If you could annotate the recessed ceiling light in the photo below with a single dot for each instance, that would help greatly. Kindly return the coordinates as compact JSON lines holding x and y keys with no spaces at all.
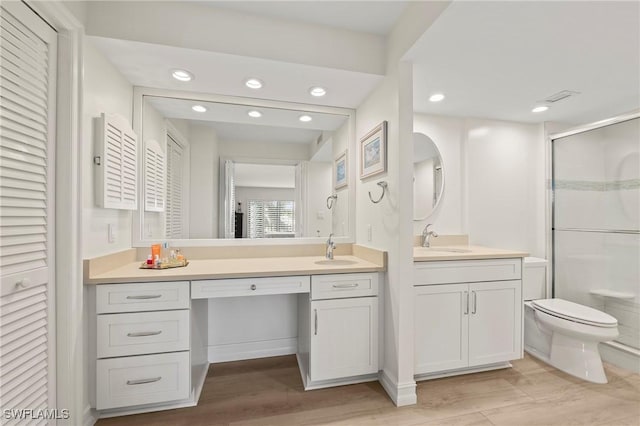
{"x":253,"y":83}
{"x":305,"y":118}
{"x":254,"y":114}
{"x":437,"y":97}
{"x":182,"y":75}
{"x":318,"y":91}
{"x":541,"y":108}
{"x":198,"y":108}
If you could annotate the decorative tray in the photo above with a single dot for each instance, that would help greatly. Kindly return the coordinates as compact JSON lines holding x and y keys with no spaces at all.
{"x":165,"y":265}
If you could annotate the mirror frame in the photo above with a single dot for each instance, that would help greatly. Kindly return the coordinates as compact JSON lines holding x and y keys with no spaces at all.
{"x":435,"y":207}
{"x":137,"y":218}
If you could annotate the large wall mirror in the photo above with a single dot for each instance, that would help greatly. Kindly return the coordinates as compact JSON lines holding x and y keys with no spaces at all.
{"x":428,"y":176}
{"x":221,"y":168}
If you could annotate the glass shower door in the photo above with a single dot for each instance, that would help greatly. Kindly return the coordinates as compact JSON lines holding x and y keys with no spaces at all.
{"x":596,"y":223}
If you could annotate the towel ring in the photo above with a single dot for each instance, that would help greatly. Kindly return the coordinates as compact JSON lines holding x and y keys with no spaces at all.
{"x":330,"y":200}
{"x":382,"y":184}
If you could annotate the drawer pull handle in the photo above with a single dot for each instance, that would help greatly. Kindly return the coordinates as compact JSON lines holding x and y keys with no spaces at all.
{"x":144,"y":333}
{"x":353,"y":285}
{"x":466,"y":308}
{"x":143,"y":381}
{"x":253,"y":287}
{"x":145,"y":297}
{"x":475,"y":302}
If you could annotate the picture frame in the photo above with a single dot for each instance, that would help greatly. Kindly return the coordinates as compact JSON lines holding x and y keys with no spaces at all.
{"x":341,"y":170}
{"x":373,"y":152}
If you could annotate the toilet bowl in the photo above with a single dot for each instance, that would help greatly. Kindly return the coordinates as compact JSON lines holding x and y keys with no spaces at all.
{"x":566,"y":335}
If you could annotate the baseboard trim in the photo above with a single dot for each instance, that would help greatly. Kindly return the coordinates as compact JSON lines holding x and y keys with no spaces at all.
{"x":252,"y":350}
{"x":401,"y":394}
{"x":89,"y":417}
{"x":470,"y":370}
{"x":620,"y":356}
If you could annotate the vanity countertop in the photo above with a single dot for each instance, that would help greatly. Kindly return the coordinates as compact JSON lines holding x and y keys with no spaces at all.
{"x":462,"y":252}
{"x":202,"y":269}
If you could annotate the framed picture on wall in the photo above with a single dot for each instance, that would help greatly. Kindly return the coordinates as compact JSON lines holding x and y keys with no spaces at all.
{"x":373,"y":152}
{"x":340,"y":170}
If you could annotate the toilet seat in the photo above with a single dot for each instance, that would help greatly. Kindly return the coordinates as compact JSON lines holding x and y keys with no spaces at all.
{"x":574,"y":312}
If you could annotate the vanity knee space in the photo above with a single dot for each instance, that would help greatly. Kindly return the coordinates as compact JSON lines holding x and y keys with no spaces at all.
{"x":468,"y":315}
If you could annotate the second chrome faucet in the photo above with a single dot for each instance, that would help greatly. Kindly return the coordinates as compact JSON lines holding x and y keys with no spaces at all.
{"x":426,"y":235}
{"x":330,"y":246}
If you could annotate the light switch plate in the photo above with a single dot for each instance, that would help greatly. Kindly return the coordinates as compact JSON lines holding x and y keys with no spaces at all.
{"x":369,"y":232}
{"x":111,"y":233}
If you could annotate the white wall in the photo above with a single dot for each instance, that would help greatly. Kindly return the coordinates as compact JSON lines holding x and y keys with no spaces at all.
{"x":105,"y":90}
{"x":390,"y":222}
{"x":204,"y":170}
{"x":494,"y":181}
{"x":318,"y":217}
{"x":270,"y":151}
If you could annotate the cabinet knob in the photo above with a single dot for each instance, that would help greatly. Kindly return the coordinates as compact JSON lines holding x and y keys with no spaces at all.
{"x":253,"y":287}
{"x":23,"y":283}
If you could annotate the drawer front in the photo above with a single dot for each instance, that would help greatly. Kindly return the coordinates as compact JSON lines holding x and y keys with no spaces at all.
{"x":147,"y":379}
{"x":142,"y":333}
{"x":338,"y":286}
{"x":139,"y":297}
{"x":461,"y":271}
{"x":206,"y":289}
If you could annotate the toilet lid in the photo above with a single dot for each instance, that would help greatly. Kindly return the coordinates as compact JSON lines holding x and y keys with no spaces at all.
{"x":575,"y":312}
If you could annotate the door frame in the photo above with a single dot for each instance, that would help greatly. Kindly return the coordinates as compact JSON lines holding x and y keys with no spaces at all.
{"x":68,"y":307}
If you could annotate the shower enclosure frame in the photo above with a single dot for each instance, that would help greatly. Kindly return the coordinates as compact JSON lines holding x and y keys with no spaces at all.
{"x":550,"y":208}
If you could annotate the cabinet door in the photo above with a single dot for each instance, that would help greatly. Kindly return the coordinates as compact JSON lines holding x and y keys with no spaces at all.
{"x":495,"y":322}
{"x":344,"y":338}
{"x":441,"y":328}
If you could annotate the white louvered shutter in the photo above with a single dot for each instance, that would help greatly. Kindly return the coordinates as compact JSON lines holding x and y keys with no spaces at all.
{"x":154,"y":177}
{"x":117,"y":163}
{"x":174,"y":214}
{"x":27,"y":102}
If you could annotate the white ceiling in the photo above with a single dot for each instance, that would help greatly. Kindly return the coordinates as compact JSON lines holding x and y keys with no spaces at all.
{"x":374,"y":17}
{"x":232,"y":123}
{"x":497,"y":59}
{"x":150,"y":65}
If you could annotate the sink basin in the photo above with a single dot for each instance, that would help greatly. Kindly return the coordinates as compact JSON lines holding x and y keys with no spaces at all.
{"x":446,"y":249}
{"x":335,"y":262}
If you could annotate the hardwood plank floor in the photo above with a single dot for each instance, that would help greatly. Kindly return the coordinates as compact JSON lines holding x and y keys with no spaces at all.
{"x":269,"y":391}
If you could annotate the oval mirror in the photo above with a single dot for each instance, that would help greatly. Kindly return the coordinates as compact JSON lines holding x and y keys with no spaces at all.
{"x":428,"y":176}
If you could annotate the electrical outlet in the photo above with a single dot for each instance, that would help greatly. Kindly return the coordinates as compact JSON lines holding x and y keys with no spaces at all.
{"x":369,"y":232}
{"x":111,"y":233}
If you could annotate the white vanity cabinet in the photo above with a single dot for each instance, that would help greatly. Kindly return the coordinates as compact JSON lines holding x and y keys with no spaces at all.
{"x":338,"y":334}
{"x":461,"y":324}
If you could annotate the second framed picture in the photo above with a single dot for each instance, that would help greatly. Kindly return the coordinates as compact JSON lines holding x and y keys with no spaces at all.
{"x":373,"y":152}
{"x":340,"y":170}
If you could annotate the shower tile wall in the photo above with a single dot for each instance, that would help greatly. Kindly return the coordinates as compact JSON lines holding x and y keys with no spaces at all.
{"x":597,"y":188}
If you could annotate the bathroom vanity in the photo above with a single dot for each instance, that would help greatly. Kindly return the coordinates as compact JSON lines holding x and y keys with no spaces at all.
{"x":149,"y":328}
{"x":468,"y":309}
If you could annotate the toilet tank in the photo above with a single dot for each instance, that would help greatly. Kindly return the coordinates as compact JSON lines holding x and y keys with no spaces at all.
{"x":534,"y":278}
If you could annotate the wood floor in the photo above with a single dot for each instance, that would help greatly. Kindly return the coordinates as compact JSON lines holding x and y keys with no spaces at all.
{"x":269,"y":392}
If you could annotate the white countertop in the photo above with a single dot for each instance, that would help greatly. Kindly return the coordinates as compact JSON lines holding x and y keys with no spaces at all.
{"x":462,"y":252}
{"x":235,"y":268}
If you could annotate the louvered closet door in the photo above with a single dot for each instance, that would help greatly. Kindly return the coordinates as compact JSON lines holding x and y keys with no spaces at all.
{"x":175,"y":186}
{"x":27,"y":92}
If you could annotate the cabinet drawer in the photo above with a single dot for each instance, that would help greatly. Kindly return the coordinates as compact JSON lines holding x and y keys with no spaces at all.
{"x":142,"y":333}
{"x":339,"y":286}
{"x":146,"y":379}
{"x":138,"y":297}
{"x":206,"y":289}
{"x":460,"y":271}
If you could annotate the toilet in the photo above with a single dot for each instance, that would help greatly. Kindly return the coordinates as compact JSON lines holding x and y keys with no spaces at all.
{"x":562,"y":333}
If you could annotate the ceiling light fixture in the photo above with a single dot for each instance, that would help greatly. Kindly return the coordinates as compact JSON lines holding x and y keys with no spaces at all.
{"x":541,"y":108}
{"x":254,"y":114}
{"x":199,"y":108}
{"x":437,"y":97}
{"x":305,"y":118}
{"x":253,"y":83}
{"x":318,"y":91}
{"x":182,"y":75}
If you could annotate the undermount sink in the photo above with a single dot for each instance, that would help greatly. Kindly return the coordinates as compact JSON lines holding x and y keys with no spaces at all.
{"x":447,"y":249}
{"x":335,"y":262}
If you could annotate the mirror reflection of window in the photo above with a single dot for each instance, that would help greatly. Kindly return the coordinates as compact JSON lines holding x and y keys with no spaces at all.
{"x":428,"y":176}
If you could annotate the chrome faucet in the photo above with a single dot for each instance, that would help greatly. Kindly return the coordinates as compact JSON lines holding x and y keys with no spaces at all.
{"x":330,"y":246}
{"x":426,"y":235}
